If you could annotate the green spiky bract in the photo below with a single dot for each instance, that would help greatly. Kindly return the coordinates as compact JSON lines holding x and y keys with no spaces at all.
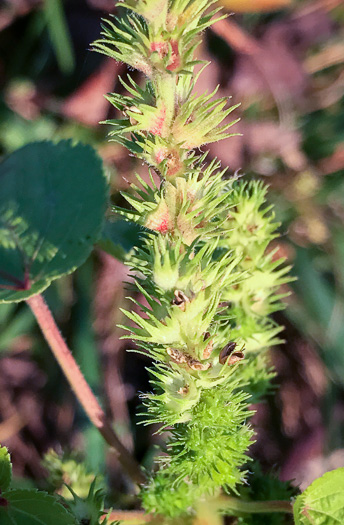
{"x":207,"y":277}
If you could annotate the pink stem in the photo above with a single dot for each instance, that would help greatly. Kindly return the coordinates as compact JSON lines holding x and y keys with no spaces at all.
{"x":80,"y":386}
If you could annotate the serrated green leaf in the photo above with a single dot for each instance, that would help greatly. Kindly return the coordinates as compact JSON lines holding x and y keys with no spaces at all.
{"x":322,"y":503}
{"x":31,"y":507}
{"x":5,"y":469}
{"x":52,"y":204}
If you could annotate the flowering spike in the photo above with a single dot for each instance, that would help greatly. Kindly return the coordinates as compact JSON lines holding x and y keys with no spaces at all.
{"x":204,"y":269}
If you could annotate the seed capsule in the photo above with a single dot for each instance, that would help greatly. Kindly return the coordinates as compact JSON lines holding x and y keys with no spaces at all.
{"x":180,"y":299}
{"x":235,"y":357}
{"x":194,"y":364}
{"x":209,"y":348}
{"x":229,"y":355}
{"x":184,"y":390}
{"x":180,"y":358}
{"x":176,"y":355}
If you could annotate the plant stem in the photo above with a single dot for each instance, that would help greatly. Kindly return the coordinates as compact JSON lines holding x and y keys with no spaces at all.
{"x":166,"y":91}
{"x":80,"y":386}
{"x":235,"y":505}
{"x":130,"y":517}
{"x":253,"y":507}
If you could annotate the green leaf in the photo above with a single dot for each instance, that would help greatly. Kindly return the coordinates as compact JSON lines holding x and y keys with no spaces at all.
{"x":59,"y":34}
{"x":30,"y":507}
{"x":119,"y":237}
{"x":317,"y":294}
{"x":17,"y":325}
{"x":5,"y":469}
{"x":322,"y":503}
{"x":52,"y":203}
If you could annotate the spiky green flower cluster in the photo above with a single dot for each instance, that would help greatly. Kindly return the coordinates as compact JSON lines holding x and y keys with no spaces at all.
{"x":82,"y":491}
{"x":204,"y":271}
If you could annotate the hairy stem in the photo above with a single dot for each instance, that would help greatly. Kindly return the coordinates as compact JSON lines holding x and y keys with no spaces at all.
{"x":166,"y":91}
{"x":223,"y":504}
{"x":80,"y":386}
{"x":130,"y":517}
{"x":237,"y":505}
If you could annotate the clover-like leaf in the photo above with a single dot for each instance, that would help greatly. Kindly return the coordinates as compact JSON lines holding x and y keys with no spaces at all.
{"x":322,"y":503}
{"x":119,"y":237}
{"x":31,"y":507}
{"x":5,"y":469}
{"x":52,"y":204}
